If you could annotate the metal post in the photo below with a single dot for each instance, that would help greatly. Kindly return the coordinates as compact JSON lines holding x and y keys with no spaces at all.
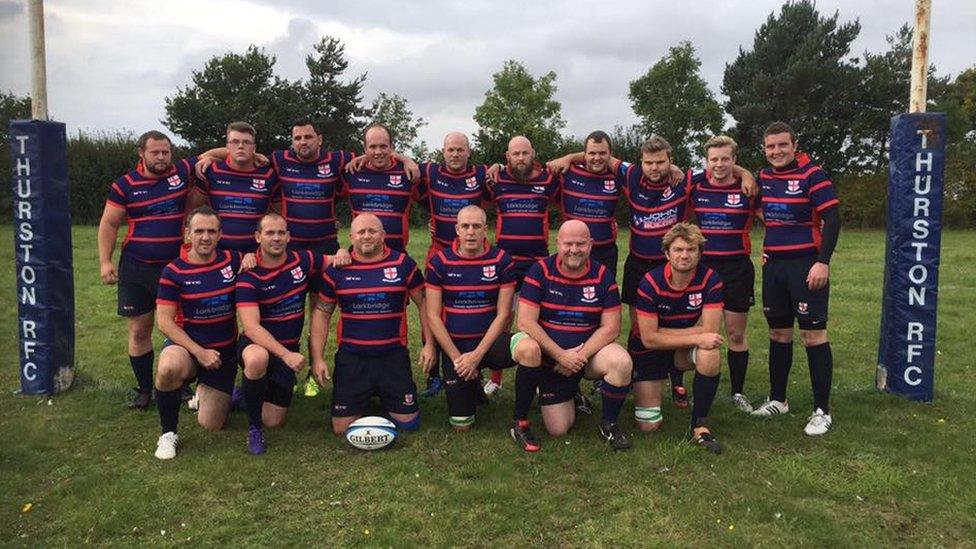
{"x":35,"y":17}
{"x":920,"y":56}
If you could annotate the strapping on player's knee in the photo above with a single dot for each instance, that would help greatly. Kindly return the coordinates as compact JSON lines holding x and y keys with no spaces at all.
{"x":648,"y":414}
{"x":461,"y":421}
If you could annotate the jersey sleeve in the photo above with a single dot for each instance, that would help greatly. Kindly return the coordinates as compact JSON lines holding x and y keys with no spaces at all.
{"x":116,"y":196}
{"x":415,"y":280}
{"x":327,"y":290}
{"x":316,"y":262}
{"x":245,"y":293}
{"x":235,"y":259}
{"x":169,"y":289}
{"x":823,"y":194}
{"x":188,"y":167}
{"x":507,"y":268}
{"x":433,"y":275}
{"x":612,"y":298}
{"x":646,"y":301}
{"x":714,"y":297}
{"x":532,"y":287}
{"x":203,"y":183}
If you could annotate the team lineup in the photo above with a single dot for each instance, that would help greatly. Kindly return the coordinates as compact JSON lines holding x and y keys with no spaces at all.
{"x":222,"y":250}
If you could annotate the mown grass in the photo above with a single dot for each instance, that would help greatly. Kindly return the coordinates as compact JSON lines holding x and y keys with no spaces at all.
{"x":891,"y":472}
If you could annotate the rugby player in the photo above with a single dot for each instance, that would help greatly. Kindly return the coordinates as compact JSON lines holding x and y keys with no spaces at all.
{"x":725,"y":215}
{"x":271,"y":307}
{"x":152,"y":199}
{"x":569,"y":319}
{"x":469,"y":307}
{"x":679,"y":315}
{"x":238,"y":190}
{"x":801,"y":213}
{"x":372,"y":357}
{"x":195,"y":311}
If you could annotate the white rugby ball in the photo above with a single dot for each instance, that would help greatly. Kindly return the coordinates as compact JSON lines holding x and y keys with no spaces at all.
{"x":371,"y":433}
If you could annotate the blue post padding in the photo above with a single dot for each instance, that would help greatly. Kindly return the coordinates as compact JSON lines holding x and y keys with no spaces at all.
{"x":42,"y":246}
{"x":906,"y":351}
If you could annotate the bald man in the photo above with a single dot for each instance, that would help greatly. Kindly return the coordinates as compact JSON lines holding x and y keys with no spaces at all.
{"x":569,"y":320}
{"x":373,"y":356}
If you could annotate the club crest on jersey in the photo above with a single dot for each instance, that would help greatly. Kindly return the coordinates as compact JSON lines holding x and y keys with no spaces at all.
{"x":793,"y":186}
{"x":589,"y":294}
{"x":471,"y":183}
{"x":396,"y":180}
{"x":801,"y":307}
{"x":695,"y":299}
{"x":390,"y":274}
{"x":174,"y":181}
{"x":667,"y":194}
{"x":609,"y":186}
{"x":298,"y":274}
{"x":538,"y":189}
{"x":325,"y":170}
{"x":258,"y":184}
{"x":734,"y":200}
{"x":488,"y":271}
{"x":227,"y":272}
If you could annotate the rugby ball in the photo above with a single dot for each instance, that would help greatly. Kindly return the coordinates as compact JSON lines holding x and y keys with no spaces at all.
{"x":371,"y":433}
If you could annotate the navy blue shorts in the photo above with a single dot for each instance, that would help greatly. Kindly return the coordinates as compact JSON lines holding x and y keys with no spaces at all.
{"x":555,"y":388}
{"x":606,"y":256}
{"x":221,"y":379}
{"x":786,"y":295}
{"x":652,"y":365}
{"x":634,"y":270}
{"x":137,"y":287}
{"x":738,"y":281}
{"x":281,"y":378}
{"x":358,"y":377}
{"x":463,"y":395}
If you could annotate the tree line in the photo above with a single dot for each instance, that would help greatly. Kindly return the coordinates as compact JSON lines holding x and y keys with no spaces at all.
{"x":800,"y":68}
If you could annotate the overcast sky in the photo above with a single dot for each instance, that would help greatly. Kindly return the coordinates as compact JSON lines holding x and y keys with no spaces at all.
{"x":111,"y":64}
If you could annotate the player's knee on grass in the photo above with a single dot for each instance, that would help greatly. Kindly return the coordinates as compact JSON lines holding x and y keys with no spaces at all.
{"x":341,"y":424}
{"x":528,"y":353}
{"x":214,"y":408}
{"x":648,"y":418}
{"x":461,"y":423}
{"x":255,"y":359}
{"x":273,"y":416}
{"x":559,"y":418}
{"x":812,"y":338}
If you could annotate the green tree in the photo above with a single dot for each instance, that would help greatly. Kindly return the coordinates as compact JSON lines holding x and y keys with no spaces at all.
{"x":394,"y":112}
{"x":334,"y":104}
{"x":959,"y":98}
{"x":235,"y":87}
{"x":672,"y":100}
{"x":12,"y":107}
{"x":519,"y":104}
{"x":797,"y":72}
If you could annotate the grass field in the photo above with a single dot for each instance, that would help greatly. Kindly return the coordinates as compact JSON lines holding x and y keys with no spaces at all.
{"x":78,"y":468}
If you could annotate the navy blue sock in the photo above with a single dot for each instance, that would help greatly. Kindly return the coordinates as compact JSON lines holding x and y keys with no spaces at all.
{"x":705,"y":388}
{"x":168,"y":403}
{"x":821,"y":374}
{"x":526,"y":382}
{"x":780,"y":362}
{"x":738,"y":363}
{"x":254,"y":390}
{"x":677,"y":377}
{"x":613,"y":400}
{"x":142,"y":367}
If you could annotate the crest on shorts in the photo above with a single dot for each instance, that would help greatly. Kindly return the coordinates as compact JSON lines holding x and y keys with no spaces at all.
{"x":396,"y":180}
{"x":258,"y":184}
{"x":408,"y":399}
{"x":695,"y":299}
{"x":488,"y":271}
{"x":801,"y":306}
{"x":589,"y":293}
{"x":471,"y":183}
{"x":793,"y":186}
{"x":667,"y":194}
{"x":298,"y":274}
{"x":325,"y":170}
{"x":390,"y":273}
{"x":609,"y":186}
{"x":174,"y":181}
{"x":227,"y":272}
{"x":734,"y":199}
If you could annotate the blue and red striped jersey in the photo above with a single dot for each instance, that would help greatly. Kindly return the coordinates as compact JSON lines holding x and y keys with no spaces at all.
{"x":240,"y":198}
{"x":372,"y":299}
{"x":469,"y":288}
{"x":592,"y":198}
{"x":279,"y":292}
{"x":725,"y":215}
{"x":445,"y":193}
{"x":388,"y":195}
{"x":674,"y":308}
{"x":654,"y":209}
{"x":308,"y":192}
{"x":522,"y":226}
{"x":154,"y":208}
{"x":203,"y":295}
{"x":569,"y":307}
{"x":792,"y":200}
